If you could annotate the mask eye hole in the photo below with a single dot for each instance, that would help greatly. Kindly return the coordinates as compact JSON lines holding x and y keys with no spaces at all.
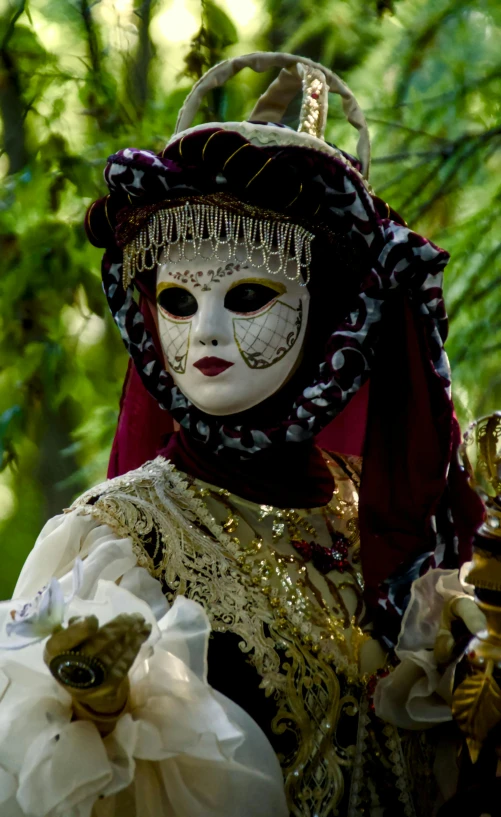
{"x":248,"y":297}
{"x":177,"y":301}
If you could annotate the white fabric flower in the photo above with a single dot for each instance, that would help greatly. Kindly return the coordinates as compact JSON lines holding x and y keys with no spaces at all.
{"x":40,"y":618}
{"x":418,"y":693}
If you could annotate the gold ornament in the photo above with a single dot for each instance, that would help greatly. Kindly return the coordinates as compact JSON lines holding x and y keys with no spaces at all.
{"x":476,"y":703}
{"x":476,"y":706}
{"x":92,"y":664}
{"x":480,"y":454}
{"x":485,"y":573}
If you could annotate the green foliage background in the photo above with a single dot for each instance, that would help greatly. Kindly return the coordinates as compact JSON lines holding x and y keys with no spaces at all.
{"x":80,"y":79}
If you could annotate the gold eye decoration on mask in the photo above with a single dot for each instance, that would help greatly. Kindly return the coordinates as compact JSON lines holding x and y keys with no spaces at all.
{"x":251,"y":295}
{"x":177,"y":301}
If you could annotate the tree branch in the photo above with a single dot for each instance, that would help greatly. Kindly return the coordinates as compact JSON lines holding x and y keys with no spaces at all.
{"x":399,"y":126}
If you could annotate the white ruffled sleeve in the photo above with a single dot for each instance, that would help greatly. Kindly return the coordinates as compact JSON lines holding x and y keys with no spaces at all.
{"x":62,"y":540}
{"x":181,"y":750}
{"x":417,"y":694}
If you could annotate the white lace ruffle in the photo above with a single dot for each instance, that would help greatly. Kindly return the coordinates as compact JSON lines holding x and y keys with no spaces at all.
{"x":417,"y":693}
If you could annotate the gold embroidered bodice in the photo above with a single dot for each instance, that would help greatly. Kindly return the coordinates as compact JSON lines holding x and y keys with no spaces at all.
{"x":304,"y":632}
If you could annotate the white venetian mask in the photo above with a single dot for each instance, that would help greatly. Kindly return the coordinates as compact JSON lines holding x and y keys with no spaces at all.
{"x":231,"y":334}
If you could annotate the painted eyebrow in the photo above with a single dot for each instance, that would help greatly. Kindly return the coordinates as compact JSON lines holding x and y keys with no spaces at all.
{"x":278,"y":286}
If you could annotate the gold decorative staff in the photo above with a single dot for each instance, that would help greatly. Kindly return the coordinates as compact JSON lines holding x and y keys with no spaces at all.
{"x":476,"y":703}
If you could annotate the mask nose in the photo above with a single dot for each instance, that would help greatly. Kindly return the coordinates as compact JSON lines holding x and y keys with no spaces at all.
{"x":212,"y":322}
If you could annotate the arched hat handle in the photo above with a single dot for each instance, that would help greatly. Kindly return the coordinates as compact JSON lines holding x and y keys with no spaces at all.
{"x":297,"y":73}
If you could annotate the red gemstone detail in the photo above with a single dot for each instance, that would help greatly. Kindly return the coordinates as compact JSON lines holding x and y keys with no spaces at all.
{"x":325,"y":559}
{"x":305,"y":549}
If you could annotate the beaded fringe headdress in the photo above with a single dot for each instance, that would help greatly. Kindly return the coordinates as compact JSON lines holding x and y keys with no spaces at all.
{"x":202,"y":230}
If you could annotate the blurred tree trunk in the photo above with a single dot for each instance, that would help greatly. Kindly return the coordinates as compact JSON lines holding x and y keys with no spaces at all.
{"x":144,"y":53}
{"x":11,"y":102}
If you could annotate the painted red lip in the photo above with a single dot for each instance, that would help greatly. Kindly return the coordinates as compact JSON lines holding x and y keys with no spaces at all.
{"x":211,"y":366}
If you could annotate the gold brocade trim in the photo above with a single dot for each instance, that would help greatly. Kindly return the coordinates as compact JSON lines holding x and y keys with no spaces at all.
{"x":400,"y":770}
{"x":299,"y":651}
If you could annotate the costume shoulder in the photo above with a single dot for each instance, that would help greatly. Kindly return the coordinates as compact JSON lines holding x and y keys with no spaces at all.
{"x":157,"y":508}
{"x":109,"y":516}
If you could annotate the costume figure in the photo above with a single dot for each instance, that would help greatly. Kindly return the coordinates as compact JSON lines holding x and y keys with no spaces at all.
{"x":283,"y":309}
